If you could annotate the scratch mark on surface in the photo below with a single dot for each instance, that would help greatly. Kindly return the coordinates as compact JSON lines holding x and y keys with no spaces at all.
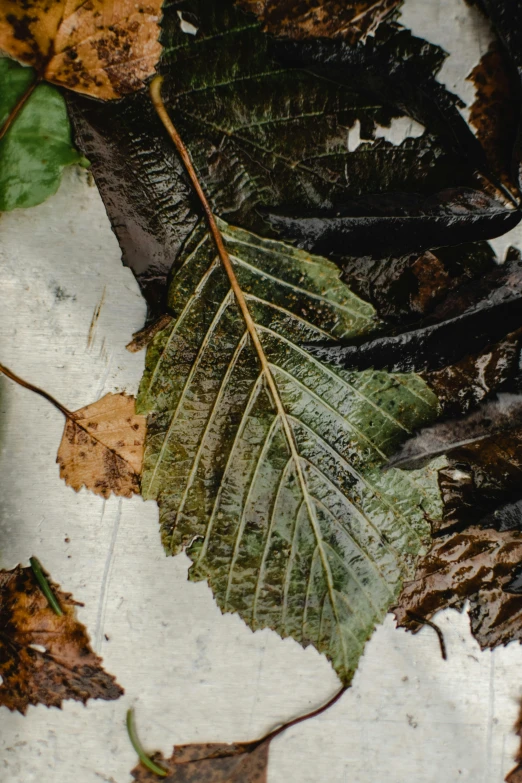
{"x":94,"y":319}
{"x":491,"y":714}
{"x":256,"y":690}
{"x":103,"y":379}
{"x":102,"y":605}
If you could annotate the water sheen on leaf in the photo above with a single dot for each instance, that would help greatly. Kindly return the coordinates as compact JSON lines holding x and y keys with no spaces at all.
{"x":312,"y":543}
{"x":38,"y":145}
{"x":260,"y":134}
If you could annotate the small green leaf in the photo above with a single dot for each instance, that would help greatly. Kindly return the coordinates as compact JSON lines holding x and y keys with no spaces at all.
{"x":37,"y":145}
{"x":315,"y":540}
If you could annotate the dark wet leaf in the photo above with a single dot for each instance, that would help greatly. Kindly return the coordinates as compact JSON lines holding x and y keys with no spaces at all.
{"x":505,"y":517}
{"x":45,"y":658}
{"x":38,"y":145}
{"x":477,"y":315}
{"x":506,"y":16}
{"x":430,"y":347}
{"x":142,"y":183}
{"x":410,"y":287}
{"x":261,"y":135}
{"x":306,"y":535}
{"x":398,"y":223}
{"x":474,"y":565}
{"x":394,"y":67}
{"x":462,"y":386}
{"x":490,"y":422}
{"x":495,"y":111}
{"x":210,"y":763}
{"x":352,"y":21}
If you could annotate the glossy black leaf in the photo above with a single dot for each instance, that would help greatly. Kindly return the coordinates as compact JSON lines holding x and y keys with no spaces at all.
{"x":260,"y":135}
{"x":406,"y":288}
{"x":477,"y":315}
{"x":399,"y":69}
{"x":398,"y":223}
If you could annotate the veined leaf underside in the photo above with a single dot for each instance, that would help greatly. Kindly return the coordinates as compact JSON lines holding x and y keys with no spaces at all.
{"x":282,"y":503}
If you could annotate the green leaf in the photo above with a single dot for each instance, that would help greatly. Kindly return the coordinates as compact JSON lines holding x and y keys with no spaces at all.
{"x":38,"y":144}
{"x":311,"y":538}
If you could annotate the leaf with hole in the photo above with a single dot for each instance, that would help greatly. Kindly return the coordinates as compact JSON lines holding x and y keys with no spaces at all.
{"x":261,"y":135}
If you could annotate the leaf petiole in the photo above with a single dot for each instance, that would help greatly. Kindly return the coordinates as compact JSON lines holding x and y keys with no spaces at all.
{"x":136,"y":744}
{"x":44,"y":586}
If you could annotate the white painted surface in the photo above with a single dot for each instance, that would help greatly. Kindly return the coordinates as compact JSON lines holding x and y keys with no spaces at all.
{"x":192,"y":674}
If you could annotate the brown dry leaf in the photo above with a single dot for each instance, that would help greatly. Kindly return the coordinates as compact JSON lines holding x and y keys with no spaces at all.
{"x":102,"y":449}
{"x":515,"y":776}
{"x":299,"y":19}
{"x":68,"y":669}
{"x":211,"y":763}
{"x":104,"y":48}
{"x":475,"y":565}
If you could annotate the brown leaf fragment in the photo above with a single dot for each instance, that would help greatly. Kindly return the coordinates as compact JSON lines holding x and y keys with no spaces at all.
{"x":476,"y":565}
{"x":211,"y":763}
{"x":103,"y":48}
{"x":461,"y":386}
{"x":495,"y":110}
{"x":102,"y":448}
{"x":68,"y":669}
{"x":515,"y":776}
{"x":299,"y":19}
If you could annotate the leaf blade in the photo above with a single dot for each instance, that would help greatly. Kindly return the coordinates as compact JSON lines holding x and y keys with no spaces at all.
{"x":279,"y":509}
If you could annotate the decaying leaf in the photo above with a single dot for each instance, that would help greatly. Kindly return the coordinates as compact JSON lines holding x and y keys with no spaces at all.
{"x":406,"y":288}
{"x":515,"y":776}
{"x":353,"y":21}
{"x":313,"y":539}
{"x":477,"y":315}
{"x":477,"y":565}
{"x":495,"y":110}
{"x":210,"y":763}
{"x":37,"y":146}
{"x":506,"y":16}
{"x":462,"y":386}
{"x":45,"y":658}
{"x":104,"y":49}
{"x":102,"y":448}
{"x":398,"y":223}
{"x":261,"y":135}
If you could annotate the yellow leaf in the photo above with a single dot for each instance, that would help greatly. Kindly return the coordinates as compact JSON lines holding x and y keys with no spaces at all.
{"x":104,"y":48}
{"x":102,"y":447}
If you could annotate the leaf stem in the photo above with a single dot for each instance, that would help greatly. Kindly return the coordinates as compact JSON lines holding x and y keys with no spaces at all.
{"x":155,"y":92}
{"x":45,"y":586}
{"x":19,"y":105}
{"x":279,"y":730}
{"x":20,"y":381}
{"x":136,"y":744}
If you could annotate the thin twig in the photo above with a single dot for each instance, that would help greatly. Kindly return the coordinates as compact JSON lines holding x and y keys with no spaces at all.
{"x":20,"y":381}
{"x":45,"y":586}
{"x":279,"y":730}
{"x":17,"y":108}
{"x":424,"y":621}
{"x":136,"y":744}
